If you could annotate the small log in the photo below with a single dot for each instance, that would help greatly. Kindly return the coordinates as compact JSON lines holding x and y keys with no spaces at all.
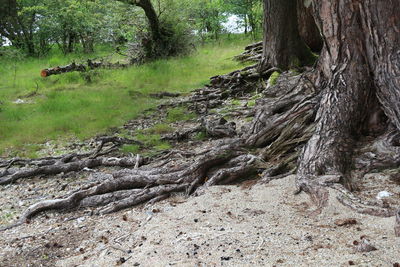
{"x":81,"y":67}
{"x":63,"y":69}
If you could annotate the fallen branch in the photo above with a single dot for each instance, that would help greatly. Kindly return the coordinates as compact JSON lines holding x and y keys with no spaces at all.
{"x":81,"y":67}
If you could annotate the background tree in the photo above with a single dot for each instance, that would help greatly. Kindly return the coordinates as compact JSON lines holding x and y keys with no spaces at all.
{"x":166,"y":35}
{"x":17,"y":23}
{"x":250,"y":11}
{"x":208,"y":16}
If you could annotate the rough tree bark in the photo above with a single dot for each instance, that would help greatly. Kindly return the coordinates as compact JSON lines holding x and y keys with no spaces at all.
{"x":308,"y":30}
{"x":283,"y":47}
{"x":358,"y":72}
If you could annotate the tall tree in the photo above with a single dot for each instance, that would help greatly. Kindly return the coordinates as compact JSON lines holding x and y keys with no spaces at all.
{"x":282,"y":45}
{"x":250,"y":11}
{"x":157,"y":45}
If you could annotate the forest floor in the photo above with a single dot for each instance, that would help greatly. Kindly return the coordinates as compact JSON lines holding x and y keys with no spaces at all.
{"x":237,"y":225}
{"x":244,"y":224}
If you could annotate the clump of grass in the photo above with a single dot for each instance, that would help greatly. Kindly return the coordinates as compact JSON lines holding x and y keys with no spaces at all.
{"x":152,"y":141}
{"x":179,"y":114}
{"x":251,"y":103}
{"x":161,"y":128}
{"x":236,"y":102}
{"x":273,"y":78}
{"x":201,"y":136}
{"x":134,"y":149}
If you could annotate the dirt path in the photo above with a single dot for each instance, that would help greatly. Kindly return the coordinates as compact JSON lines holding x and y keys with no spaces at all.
{"x":265,"y":225}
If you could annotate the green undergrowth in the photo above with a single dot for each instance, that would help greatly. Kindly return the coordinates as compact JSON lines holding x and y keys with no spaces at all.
{"x":76,"y":105}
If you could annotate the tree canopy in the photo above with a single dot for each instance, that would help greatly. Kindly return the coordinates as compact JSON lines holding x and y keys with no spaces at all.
{"x":36,"y":26}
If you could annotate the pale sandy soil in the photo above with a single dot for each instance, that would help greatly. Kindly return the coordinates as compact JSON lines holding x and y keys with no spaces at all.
{"x":265,"y":225}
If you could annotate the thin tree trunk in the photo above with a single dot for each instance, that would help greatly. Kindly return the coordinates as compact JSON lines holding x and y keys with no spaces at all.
{"x":152,"y":18}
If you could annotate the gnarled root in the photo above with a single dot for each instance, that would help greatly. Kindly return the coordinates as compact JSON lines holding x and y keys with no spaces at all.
{"x":252,"y":53}
{"x":130,"y":187}
{"x":69,"y":162}
{"x":284,"y":121}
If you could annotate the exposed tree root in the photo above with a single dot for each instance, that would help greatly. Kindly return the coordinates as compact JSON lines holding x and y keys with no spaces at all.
{"x":284,"y":121}
{"x":217,"y":128}
{"x":252,"y":53}
{"x":130,"y":187}
{"x":164,"y":94}
{"x":68,"y":167}
{"x":70,"y":162}
{"x":373,"y":208}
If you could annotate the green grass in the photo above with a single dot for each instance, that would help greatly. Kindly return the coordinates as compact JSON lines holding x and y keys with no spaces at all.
{"x":179,"y":114}
{"x":134,"y":149}
{"x":68,"y":106}
{"x":161,"y":128}
{"x":153,"y":142}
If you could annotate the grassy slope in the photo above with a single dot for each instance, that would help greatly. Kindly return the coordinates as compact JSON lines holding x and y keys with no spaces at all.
{"x":68,"y":106}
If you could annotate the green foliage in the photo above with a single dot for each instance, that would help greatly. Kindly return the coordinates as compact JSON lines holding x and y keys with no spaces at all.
{"x":80,"y":26}
{"x":209,"y":15}
{"x":201,"y":136}
{"x":236,"y":102}
{"x":251,"y":103}
{"x":250,"y":11}
{"x":152,"y":141}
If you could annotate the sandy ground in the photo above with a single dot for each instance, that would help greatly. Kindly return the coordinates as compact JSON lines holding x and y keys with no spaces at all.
{"x":264,"y":225}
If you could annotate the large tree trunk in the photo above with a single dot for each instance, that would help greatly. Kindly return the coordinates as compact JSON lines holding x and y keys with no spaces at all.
{"x":283,"y":47}
{"x":359,"y":73}
{"x":308,"y":30}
